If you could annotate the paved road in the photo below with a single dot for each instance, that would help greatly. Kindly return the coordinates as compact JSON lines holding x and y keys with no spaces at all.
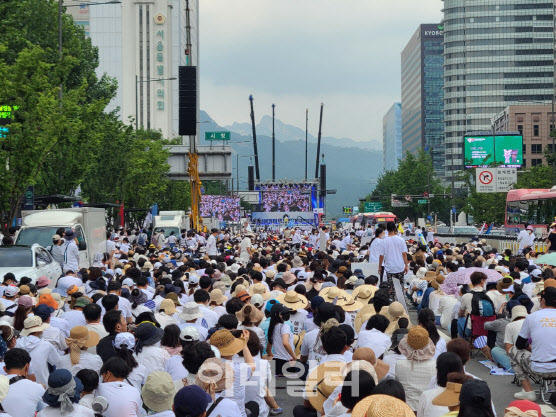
{"x":501,"y":386}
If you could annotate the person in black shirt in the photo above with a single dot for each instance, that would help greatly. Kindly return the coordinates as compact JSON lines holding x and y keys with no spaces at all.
{"x":114,"y":323}
{"x":551,"y":239}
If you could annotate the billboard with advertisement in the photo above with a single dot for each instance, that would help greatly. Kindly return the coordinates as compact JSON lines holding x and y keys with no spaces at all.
{"x":482,"y":151}
{"x":224,"y":208}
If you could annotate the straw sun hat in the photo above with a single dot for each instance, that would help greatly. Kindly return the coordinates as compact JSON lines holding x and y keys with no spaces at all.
{"x":322,"y":381}
{"x":293,"y":300}
{"x":382,"y":406}
{"x":226,"y":343}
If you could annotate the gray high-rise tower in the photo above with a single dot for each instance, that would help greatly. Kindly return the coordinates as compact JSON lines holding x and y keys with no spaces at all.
{"x":422,"y":116}
{"x":496,"y":53}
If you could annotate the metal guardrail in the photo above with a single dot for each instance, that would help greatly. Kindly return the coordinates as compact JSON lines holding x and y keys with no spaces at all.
{"x":499,"y":242}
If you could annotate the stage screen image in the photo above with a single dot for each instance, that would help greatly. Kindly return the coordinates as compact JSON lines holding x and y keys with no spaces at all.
{"x":295,"y":197}
{"x":223,"y":207}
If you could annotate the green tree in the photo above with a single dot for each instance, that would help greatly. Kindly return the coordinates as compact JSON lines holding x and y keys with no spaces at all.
{"x":414,"y":176}
{"x":129,"y":166}
{"x":539,"y":176}
{"x":45,"y":132}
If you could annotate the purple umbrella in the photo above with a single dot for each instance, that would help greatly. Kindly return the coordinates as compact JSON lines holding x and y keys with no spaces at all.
{"x":463,"y":276}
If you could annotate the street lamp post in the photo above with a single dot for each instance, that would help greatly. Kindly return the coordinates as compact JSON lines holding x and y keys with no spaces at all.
{"x":137,"y":82}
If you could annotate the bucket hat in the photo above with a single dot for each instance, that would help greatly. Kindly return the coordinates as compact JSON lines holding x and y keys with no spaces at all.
{"x":218,"y":297}
{"x":261,"y":289}
{"x":158,"y":391}
{"x":192,"y":398}
{"x":33,"y":324}
{"x":174,"y":297}
{"x":250,"y":312}
{"x":168,"y":306}
{"x":148,"y":334}
{"x":417,"y":345}
{"x":382,"y":406}
{"x":191,"y":311}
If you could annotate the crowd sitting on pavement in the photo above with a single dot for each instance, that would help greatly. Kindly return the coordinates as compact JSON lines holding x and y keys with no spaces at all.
{"x":208,"y":324}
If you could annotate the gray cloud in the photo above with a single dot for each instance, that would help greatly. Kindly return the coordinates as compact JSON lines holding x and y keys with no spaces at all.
{"x":298,"y":53}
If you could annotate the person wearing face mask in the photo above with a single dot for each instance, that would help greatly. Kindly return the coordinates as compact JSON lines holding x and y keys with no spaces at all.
{"x":526,"y":238}
{"x":376,"y":245}
{"x":551,"y":239}
{"x":123,"y":399}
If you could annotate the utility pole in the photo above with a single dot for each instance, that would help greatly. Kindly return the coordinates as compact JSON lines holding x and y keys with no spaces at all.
{"x":318,"y":142}
{"x":60,"y":5}
{"x":273,"y":147}
{"x":257,"y":174}
{"x":306,"y":135}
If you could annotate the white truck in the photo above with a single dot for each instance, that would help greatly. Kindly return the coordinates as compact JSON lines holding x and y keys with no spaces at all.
{"x":89,"y":224}
{"x":171,"y":221}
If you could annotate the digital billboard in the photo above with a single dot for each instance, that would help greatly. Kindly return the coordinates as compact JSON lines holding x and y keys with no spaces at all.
{"x":482,"y":151}
{"x":291,"y":197}
{"x":224,"y":208}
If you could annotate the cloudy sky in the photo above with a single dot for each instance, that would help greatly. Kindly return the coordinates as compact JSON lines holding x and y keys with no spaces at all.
{"x":299,"y":53}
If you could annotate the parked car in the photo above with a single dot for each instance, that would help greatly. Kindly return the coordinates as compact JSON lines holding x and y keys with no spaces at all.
{"x":29,"y":261}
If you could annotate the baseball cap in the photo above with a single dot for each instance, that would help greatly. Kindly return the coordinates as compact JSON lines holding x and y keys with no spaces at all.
{"x":11,"y":291}
{"x":43,"y":311}
{"x":302,"y":276}
{"x":536,"y":273}
{"x":509,"y":289}
{"x":43,"y":281}
{"x":190,"y":334}
{"x":193,"y":279}
{"x":82,"y":302}
{"x":129,"y":282}
{"x":257,"y":300}
{"x":56,"y":237}
{"x":191,"y":400}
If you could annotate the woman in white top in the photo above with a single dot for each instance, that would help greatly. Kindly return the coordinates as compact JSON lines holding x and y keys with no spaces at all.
{"x":62,"y":395}
{"x":250,"y":318}
{"x":280,"y":338}
{"x":373,"y":335}
{"x":147,"y":350}
{"x":124,"y":343}
{"x":79,"y":358}
{"x":216,"y":376}
{"x":123,"y":399}
{"x":446,"y":363}
{"x":376,"y":245}
{"x":138,"y":299}
{"x":426,"y":320}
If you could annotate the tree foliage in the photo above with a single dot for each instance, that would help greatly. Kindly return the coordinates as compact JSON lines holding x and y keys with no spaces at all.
{"x":414,"y":176}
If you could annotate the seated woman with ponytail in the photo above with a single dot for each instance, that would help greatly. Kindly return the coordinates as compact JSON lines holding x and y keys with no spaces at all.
{"x":124,"y":344}
{"x":426,"y":320}
{"x":62,"y":396}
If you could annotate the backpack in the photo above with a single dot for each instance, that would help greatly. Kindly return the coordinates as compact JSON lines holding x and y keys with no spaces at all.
{"x":142,"y":239}
{"x":482,"y":305}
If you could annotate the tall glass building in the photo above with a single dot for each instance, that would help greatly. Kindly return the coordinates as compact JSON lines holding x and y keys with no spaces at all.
{"x":422,"y":94}
{"x":392,"y":137}
{"x":496,"y":53}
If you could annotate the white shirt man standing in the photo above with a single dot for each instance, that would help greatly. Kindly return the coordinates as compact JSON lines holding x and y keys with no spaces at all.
{"x":71,"y":252}
{"x":211,"y":243}
{"x":393,"y":256}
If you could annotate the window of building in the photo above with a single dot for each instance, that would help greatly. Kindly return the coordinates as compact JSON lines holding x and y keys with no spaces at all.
{"x":524,"y":149}
{"x":524,"y":164}
{"x":536,"y":148}
{"x":520,"y":128}
{"x":535,"y":130}
{"x":535,"y":162}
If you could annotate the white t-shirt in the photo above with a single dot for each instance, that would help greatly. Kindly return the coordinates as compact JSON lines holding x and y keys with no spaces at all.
{"x":445,"y":309}
{"x":74,"y":318}
{"x":24,"y":398}
{"x":87,"y":360}
{"x":153,"y":358}
{"x":123,"y":399}
{"x":210,"y":316}
{"x":308,"y":344}
{"x":376,"y":340}
{"x":137,"y":377}
{"x":540,"y":326}
{"x":392,"y":250}
{"x":225,"y":408}
{"x":512,"y":331}
{"x":78,"y":411}
{"x":298,"y":319}
{"x":255,"y":389}
{"x":175,"y":368}
{"x":280,"y":351}
{"x":61,"y":324}
{"x":426,"y":408}
{"x":242,"y":374}
{"x":244,"y":247}
{"x":441,"y":347}
{"x":375,"y":250}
